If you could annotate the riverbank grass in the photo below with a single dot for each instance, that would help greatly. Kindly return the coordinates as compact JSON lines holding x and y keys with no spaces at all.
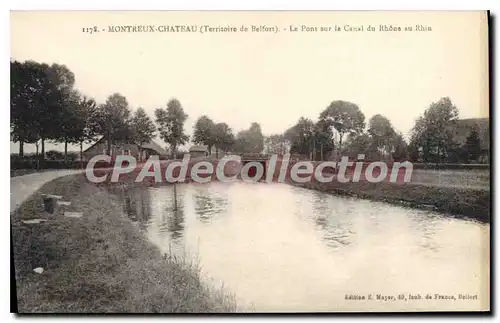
{"x":100,"y":262}
{"x":452,"y":200}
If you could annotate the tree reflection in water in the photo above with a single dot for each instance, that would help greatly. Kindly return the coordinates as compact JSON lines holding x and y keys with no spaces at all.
{"x":137,"y":205}
{"x":171,"y":219}
{"x":208,"y":205}
{"x":175,"y":223}
{"x":337,"y":231}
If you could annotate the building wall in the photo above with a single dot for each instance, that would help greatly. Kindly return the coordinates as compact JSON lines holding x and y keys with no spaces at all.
{"x":100,"y":148}
{"x":196,"y":154}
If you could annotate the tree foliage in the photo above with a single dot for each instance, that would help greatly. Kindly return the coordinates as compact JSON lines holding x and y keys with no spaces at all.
{"x":114,"y":120}
{"x":301,"y":136}
{"x":39,"y":96}
{"x":400,"y":152}
{"x":323,"y":141}
{"x":204,"y":132}
{"x":382,"y":133}
{"x":170,"y":122}
{"x":310,"y":139}
{"x":250,"y":141}
{"x":46,"y":106}
{"x":223,"y":137}
{"x":276,"y":144}
{"x":23,"y":109}
{"x":143,"y":127}
{"x":86,"y":126}
{"x":432,"y":134}
{"x":361,"y":144}
{"x":345,"y":117}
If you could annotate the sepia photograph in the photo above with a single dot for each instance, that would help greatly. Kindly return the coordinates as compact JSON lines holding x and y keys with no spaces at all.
{"x":250,"y":161}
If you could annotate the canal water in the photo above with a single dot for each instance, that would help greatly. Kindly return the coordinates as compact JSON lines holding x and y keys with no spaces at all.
{"x":277,"y":247}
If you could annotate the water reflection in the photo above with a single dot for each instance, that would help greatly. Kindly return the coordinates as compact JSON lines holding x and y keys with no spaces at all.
{"x":426,"y":227}
{"x":209,"y":205}
{"x":336,"y":229}
{"x":170,"y":220}
{"x":137,"y":205}
{"x":173,"y":224}
{"x":284,"y":248}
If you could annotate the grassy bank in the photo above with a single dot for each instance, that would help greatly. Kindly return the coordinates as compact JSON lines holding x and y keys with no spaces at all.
{"x":99,"y":262}
{"x":461,"y":202}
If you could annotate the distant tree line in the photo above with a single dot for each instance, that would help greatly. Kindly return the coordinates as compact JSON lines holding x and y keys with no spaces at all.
{"x":221,"y":136}
{"x":432,"y":137}
{"x":45,"y":106}
{"x":341,"y":130}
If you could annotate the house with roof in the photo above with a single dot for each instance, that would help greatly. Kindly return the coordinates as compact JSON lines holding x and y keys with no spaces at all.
{"x":140,"y":153}
{"x":463,"y":127}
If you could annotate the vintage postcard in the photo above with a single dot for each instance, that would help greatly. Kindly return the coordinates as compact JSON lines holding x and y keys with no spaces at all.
{"x":250,"y":161}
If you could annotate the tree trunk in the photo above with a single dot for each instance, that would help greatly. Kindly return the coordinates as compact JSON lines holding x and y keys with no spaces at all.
{"x":81,"y":154}
{"x":314,"y":150}
{"x":65,"y":150}
{"x":216,"y":153}
{"x":321,"y":151}
{"x":43,"y":148}
{"x":309,"y":148}
{"x":37,"y":158}
{"x":340,"y":143}
{"x":332,"y":152}
{"x":42,"y":155}
{"x":21,"y":148}
{"x":109,"y":143}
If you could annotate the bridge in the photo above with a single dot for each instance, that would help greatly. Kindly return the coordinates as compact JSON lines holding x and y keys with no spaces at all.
{"x":248,"y":157}
{"x":255,"y":157}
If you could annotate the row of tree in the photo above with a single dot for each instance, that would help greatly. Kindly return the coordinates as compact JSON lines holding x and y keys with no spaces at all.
{"x":340,"y":129}
{"x":432,"y":138}
{"x":45,"y":106}
{"x":221,"y":136}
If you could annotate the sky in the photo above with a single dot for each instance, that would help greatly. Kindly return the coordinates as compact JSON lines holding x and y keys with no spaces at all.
{"x":266,"y":77}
